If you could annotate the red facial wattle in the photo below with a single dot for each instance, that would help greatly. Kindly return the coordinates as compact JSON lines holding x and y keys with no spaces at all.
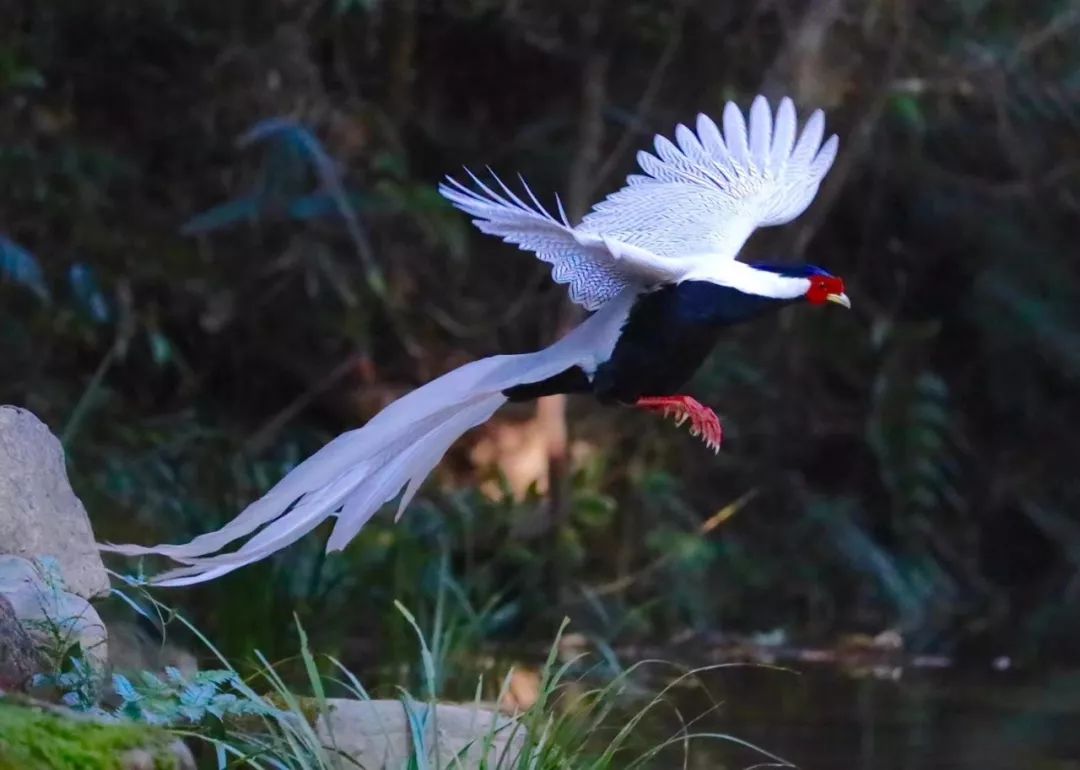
{"x":821,"y":286}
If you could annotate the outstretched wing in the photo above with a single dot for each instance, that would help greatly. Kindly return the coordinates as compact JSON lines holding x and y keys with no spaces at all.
{"x":708,"y":193}
{"x":597,"y":268}
{"x":698,"y":202}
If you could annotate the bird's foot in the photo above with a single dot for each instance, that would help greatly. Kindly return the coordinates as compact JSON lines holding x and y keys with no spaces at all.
{"x":703,"y":420}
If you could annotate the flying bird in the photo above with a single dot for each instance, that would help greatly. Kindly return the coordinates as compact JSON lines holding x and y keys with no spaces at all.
{"x":655,"y":260}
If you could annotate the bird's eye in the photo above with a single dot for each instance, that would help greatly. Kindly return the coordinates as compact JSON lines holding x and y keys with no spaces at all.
{"x":818,"y":290}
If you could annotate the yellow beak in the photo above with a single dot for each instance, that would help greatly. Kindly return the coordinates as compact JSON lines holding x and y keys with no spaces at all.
{"x":839,"y":299}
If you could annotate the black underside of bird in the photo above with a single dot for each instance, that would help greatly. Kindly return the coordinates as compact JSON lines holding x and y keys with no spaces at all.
{"x":668,"y":334}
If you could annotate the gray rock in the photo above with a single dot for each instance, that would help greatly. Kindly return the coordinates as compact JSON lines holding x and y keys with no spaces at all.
{"x":375,"y":734}
{"x":18,"y":655}
{"x":39,"y":513}
{"x":54,"y":617}
{"x":176,"y":755}
{"x":133,"y":648}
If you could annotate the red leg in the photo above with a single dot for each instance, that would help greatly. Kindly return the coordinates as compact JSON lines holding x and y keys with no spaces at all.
{"x":703,"y":420}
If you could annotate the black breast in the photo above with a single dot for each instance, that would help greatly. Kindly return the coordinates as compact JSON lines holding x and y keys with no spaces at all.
{"x":667,"y":337}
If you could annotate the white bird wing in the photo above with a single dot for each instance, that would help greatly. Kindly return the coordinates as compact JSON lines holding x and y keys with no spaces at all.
{"x":697,"y":203}
{"x":597,"y":267}
{"x":707,"y":194}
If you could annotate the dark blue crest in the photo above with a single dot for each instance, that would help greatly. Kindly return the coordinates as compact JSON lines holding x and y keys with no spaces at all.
{"x":793,"y":271}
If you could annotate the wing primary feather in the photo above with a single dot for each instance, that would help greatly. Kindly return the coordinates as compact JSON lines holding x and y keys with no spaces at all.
{"x":562,"y":211}
{"x":454,"y":186}
{"x":711,"y":140}
{"x":488,"y":191}
{"x":784,"y":132}
{"x":460,"y":196}
{"x":735,"y":135}
{"x":760,"y":132}
{"x":690,"y":145}
{"x":469,"y":198}
{"x":824,"y":159}
{"x":810,"y":140}
{"x":667,"y":151}
{"x":510,"y":193}
{"x":650,"y":164}
{"x":539,"y":206}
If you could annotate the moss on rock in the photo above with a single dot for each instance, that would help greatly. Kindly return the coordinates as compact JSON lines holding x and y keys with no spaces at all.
{"x":32,"y":738}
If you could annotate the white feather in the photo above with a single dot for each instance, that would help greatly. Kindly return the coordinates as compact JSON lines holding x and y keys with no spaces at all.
{"x":761,"y":133}
{"x":746,"y":279}
{"x":783,"y":136}
{"x":735,"y":135}
{"x":356,"y":473}
{"x":712,"y":141}
{"x":581,"y":261}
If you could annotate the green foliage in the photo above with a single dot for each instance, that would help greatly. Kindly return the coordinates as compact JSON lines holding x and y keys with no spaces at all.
{"x":176,"y":698}
{"x":914,"y":439}
{"x":68,"y":668}
{"x":77,"y":681}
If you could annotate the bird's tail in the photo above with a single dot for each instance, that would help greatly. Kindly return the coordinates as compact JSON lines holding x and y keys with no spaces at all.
{"x":356,"y":473}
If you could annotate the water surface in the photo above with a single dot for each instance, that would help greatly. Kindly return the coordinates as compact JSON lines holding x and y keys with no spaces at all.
{"x":825,"y":719}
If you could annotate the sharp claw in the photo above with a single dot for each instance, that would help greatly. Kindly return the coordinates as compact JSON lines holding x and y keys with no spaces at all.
{"x":704,"y":423}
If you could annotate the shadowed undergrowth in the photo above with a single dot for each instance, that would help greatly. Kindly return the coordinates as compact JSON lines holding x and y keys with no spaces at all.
{"x":273,"y":715}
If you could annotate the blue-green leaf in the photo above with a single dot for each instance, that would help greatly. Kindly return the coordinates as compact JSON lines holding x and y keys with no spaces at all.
{"x":20,"y":266}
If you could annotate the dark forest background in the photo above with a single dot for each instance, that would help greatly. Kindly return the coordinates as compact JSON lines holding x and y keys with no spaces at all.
{"x":194,"y":314}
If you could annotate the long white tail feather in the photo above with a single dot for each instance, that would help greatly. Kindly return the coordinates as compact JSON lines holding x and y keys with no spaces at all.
{"x":353,"y":475}
{"x":363,"y":489}
{"x":412,"y":467}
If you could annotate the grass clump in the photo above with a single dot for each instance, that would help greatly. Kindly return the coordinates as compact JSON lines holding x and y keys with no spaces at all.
{"x":277,"y":716}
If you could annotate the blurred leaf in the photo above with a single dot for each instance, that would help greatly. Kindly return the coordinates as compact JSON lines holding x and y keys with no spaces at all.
{"x":88,"y":294}
{"x":687,"y":550}
{"x":572,"y":549}
{"x":867,"y":556}
{"x":16,"y":73}
{"x":344,"y":6}
{"x":161,"y":350}
{"x":244,"y":209}
{"x":593,"y":510}
{"x":317,"y":205}
{"x":907,"y":109}
{"x":20,"y":266}
{"x":391,"y":164}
